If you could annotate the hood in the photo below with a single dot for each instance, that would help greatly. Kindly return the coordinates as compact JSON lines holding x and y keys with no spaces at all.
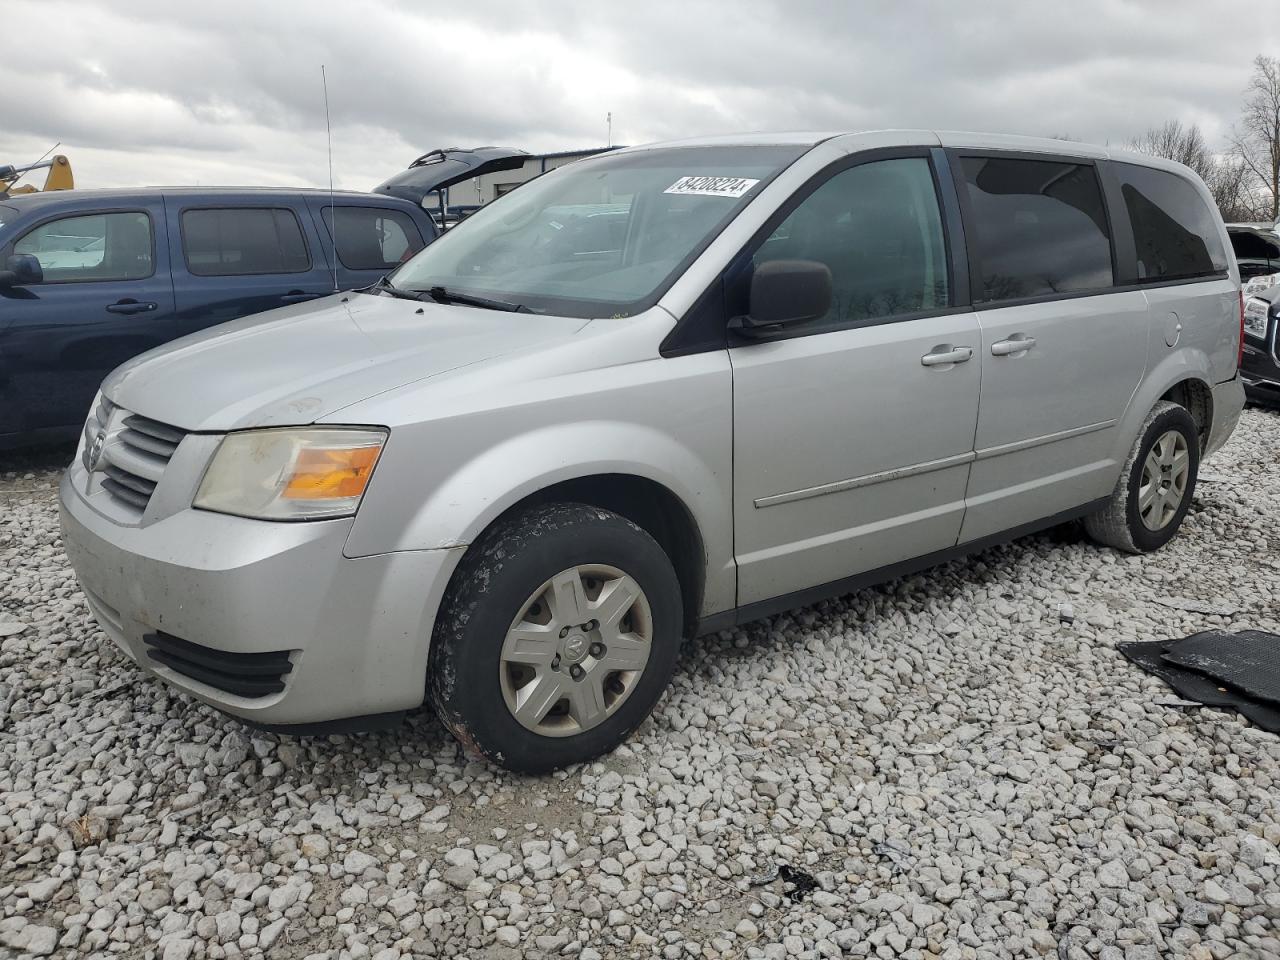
{"x":298,"y":364}
{"x":443,"y":168}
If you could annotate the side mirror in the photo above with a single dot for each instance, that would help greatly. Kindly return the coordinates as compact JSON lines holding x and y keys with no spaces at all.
{"x":20,"y":270}
{"x":785,"y":292}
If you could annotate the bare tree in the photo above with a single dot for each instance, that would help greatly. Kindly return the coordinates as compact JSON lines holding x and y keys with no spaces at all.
{"x":1228,"y":177}
{"x":1235,"y":190}
{"x":1257,"y":138}
{"x":1174,"y":141}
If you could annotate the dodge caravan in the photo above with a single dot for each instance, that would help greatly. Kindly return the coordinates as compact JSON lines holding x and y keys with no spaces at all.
{"x":646,"y":396}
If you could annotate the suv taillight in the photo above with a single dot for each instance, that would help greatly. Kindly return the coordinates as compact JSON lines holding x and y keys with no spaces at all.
{"x":1240,"y":348}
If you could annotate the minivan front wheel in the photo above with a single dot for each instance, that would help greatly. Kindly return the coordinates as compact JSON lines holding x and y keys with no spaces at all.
{"x":1156,"y":484}
{"x":558,"y":634}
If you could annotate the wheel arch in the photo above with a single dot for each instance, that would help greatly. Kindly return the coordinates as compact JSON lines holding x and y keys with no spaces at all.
{"x":652,"y":507}
{"x":1183,"y":378}
{"x":1196,"y":396}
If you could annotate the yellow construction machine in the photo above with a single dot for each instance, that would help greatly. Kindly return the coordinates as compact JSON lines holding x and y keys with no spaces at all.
{"x":58,"y":178}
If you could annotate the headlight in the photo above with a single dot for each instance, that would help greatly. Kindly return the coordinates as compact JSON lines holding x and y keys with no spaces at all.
{"x":1255,"y":317}
{"x":291,"y":474}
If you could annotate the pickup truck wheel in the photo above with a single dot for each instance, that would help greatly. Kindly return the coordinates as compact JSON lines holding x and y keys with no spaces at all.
{"x":1155,"y":487}
{"x":558,"y":634}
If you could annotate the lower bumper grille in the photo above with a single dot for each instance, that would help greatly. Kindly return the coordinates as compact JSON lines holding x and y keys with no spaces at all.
{"x":241,"y":674}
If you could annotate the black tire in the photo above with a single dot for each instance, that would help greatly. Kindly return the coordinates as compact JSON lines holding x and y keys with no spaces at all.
{"x":494,"y":581}
{"x":1120,"y":524}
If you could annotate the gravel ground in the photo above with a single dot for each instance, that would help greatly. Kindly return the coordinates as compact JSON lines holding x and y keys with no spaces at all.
{"x":964,"y":766}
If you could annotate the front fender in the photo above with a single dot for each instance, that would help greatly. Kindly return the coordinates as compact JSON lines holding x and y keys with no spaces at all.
{"x":504,"y":475}
{"x":441,"y":482}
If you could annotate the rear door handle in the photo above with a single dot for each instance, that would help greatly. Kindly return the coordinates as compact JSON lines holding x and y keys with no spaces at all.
{"x":297,"y":296}
{"x":131,"y":306}
{"x":1014,"y":345}
{"x":945,"y":354}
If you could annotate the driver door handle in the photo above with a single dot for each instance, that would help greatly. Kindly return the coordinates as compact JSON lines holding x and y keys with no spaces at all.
{"x":1014,"y":345}
{"x":954,"y":355}
{"x":131,"y":306}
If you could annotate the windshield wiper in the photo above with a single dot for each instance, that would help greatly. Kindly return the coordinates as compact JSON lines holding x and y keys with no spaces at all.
{"x":441,"y":295}
{"x":385,"y":284}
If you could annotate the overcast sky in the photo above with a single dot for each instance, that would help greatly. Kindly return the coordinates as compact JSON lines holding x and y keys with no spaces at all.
{"x":174,"y":92}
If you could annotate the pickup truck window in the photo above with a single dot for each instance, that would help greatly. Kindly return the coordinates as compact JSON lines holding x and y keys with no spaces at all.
{"x":101,"y":246}
{"x":369,"y":238}
{"x":601,"y":237}
{"x":241,"y":241}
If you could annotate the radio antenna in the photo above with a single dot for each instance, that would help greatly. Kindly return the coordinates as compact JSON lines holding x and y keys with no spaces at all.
{"x":333,"y":213}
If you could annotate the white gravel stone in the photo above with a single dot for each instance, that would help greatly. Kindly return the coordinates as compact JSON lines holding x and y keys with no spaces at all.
{"x":357,"y":862}
{"x":1113,"y":874}
{"x":41,"y":890}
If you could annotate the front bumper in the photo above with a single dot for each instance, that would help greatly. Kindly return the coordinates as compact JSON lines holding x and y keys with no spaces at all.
{"x":357,"y":631}
{"x":1260,"y":371}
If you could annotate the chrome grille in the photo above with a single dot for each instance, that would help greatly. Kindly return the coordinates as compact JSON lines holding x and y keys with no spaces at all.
{"x":131,"y":453}
{"x":99,"y":420}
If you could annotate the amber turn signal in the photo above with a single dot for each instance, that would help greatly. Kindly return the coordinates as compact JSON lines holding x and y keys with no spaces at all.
{"x":322,"y":474}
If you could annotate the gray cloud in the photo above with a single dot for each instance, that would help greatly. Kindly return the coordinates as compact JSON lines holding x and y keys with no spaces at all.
{"x":152,"y":91}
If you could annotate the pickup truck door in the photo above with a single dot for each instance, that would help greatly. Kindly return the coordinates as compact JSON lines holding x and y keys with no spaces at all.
{"x":372,"y":237}
{"x":235,"y":256}
{"x":105,"y":298}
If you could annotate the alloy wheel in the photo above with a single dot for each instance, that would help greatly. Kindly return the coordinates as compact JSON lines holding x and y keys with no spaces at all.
{"x":576,"y":650}
{"x":1164,"y":480}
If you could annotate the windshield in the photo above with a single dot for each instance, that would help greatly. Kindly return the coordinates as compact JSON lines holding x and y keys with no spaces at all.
{"x":601,"y":237}
{"x":7,"y":215}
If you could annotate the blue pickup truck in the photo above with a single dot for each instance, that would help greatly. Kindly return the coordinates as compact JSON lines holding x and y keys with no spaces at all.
{"x":92,"y":278}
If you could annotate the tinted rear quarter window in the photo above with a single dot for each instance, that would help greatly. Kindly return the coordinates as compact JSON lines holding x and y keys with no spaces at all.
{"x":369,"y":238}
{"x":1039,"y":227}
{"x":1174,"y":231}
{"x":237,"y":241}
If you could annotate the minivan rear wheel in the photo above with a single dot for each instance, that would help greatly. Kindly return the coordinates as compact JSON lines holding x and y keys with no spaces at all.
{"x":1155,"y":487}
{"x":558,"y":634}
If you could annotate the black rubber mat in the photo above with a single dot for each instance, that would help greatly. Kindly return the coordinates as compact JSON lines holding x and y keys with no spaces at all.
{"x":1248,"y":660}
{"x":1191,"y":685}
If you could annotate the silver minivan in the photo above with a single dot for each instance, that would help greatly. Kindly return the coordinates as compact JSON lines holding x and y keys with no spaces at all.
{"x":647,"y":396}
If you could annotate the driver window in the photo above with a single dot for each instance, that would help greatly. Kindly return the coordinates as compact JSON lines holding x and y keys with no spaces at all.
{"x":104,"y":246}
{"x":878,"y":228}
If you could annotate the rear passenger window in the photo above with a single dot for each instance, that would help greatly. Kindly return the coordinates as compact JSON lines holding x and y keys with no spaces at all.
{"x":1039,"y":227}
{"x":371,"y":239}
{"x":878,"y":229}
{"x":237,"y":241}
{"x":103,"y":246}
{"x":1174,"y":231}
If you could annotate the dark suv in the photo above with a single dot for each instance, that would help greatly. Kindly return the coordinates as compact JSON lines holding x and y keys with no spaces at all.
{"x":1259,"y":359}
{"x":95,"y":277}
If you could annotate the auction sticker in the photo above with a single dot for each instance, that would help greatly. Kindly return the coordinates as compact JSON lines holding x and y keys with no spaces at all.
{"x":712,"y":186}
